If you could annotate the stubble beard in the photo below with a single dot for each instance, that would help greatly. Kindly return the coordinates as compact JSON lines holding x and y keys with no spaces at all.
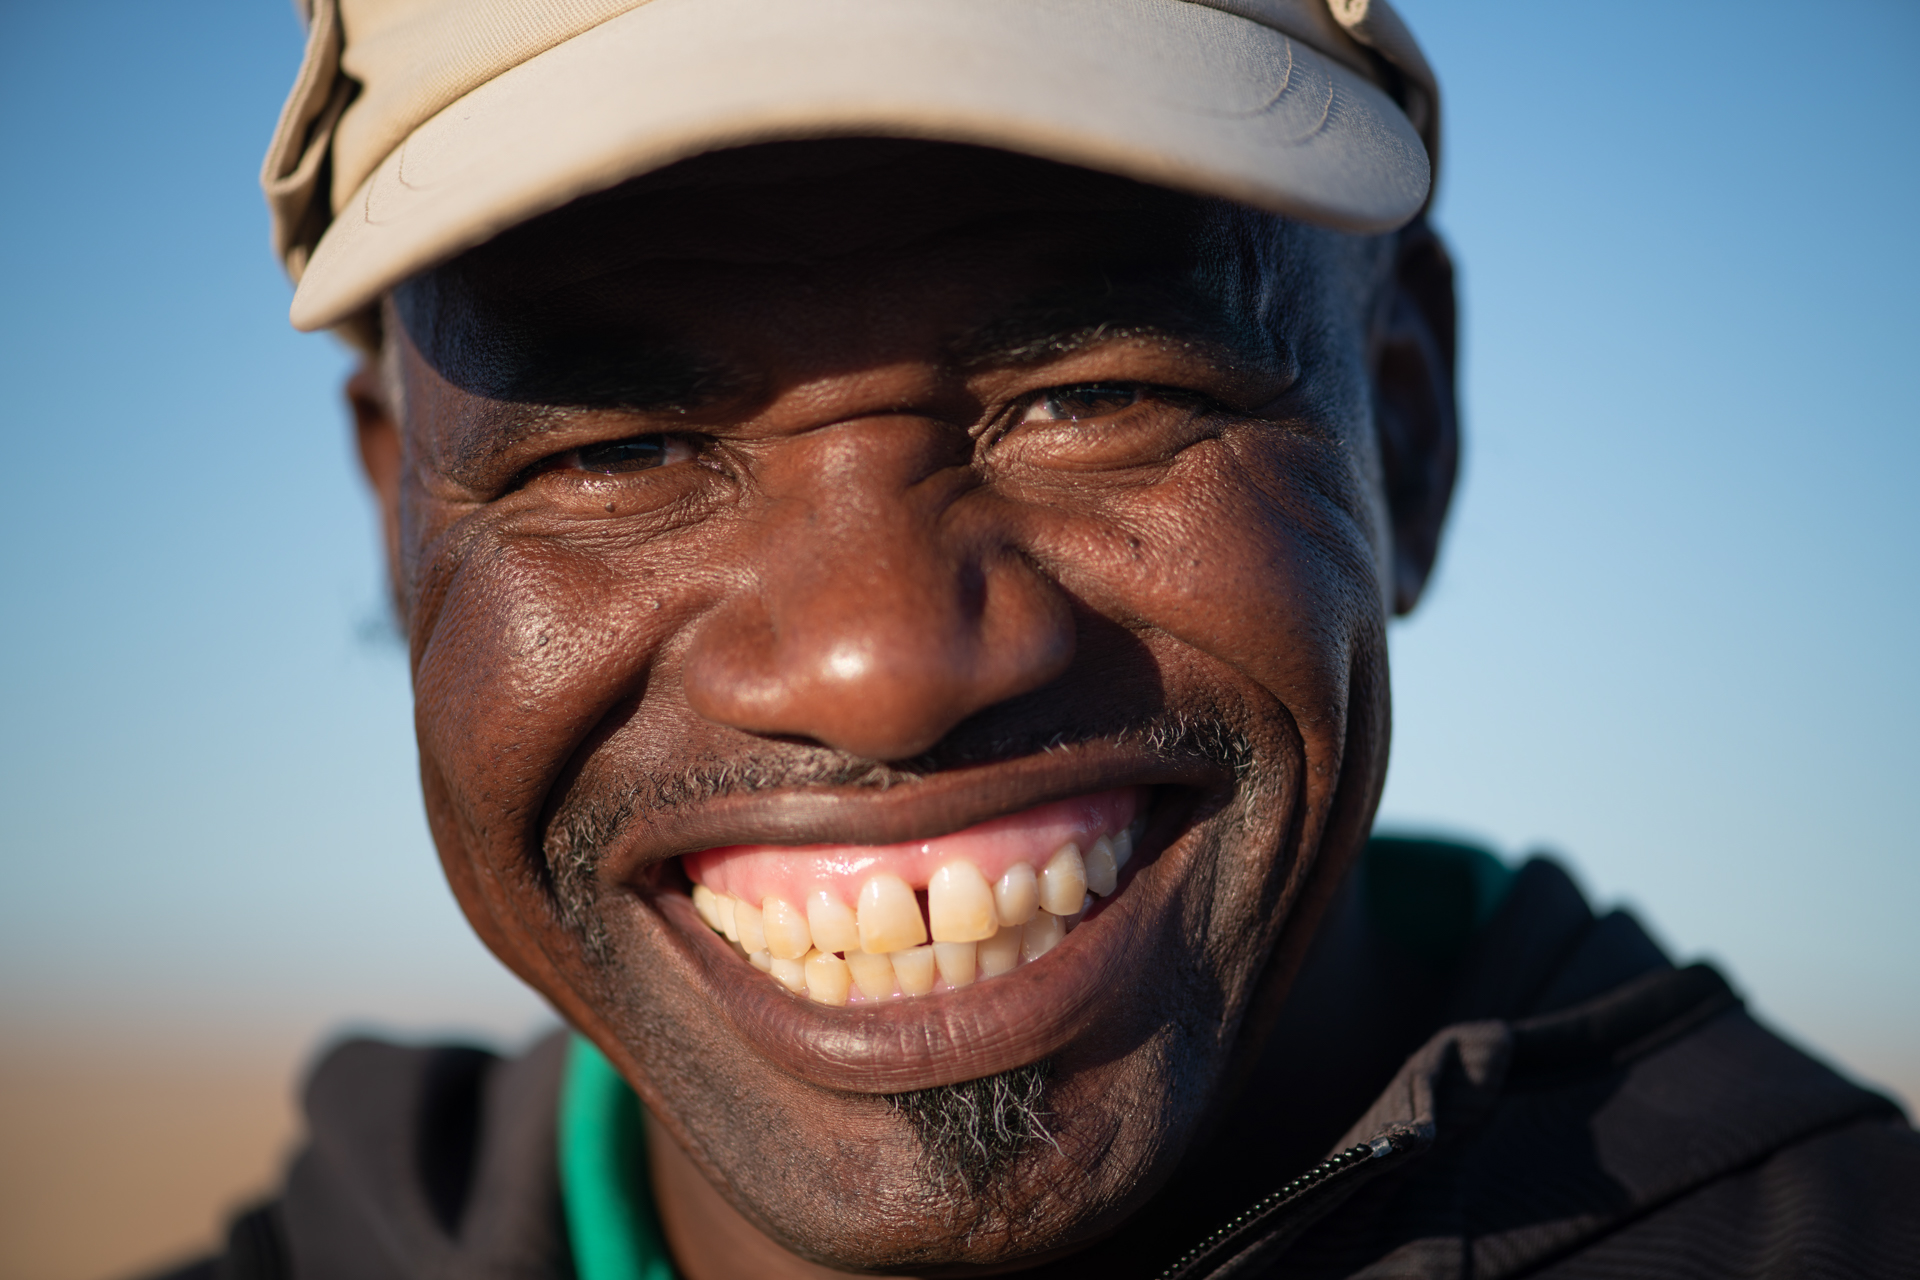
{"x":972,"y":1134}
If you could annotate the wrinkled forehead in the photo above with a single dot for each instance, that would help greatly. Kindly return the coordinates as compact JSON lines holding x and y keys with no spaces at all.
{"x":1011,"y":253}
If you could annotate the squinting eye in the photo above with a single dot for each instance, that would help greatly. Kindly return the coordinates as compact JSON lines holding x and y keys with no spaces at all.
{"x":636,"y":453}
{"x":1090,"y":400}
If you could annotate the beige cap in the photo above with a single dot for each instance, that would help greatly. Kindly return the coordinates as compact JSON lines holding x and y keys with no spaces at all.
{"x":420,"y":128}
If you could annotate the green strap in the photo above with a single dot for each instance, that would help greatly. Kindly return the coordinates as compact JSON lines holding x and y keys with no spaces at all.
{"x":1430,"y":897}
{"x":603,"y":1174}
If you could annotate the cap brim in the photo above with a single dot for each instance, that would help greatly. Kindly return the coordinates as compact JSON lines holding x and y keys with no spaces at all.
{"x":1162,"y":91}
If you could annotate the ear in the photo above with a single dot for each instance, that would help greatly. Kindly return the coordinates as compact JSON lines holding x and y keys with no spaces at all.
{"x":1415,"y":410}
{"x":377,"y":432}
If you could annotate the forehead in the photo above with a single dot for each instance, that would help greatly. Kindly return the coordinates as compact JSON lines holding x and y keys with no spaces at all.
{"x":979,"y":255}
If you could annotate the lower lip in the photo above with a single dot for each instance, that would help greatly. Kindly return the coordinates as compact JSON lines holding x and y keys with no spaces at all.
{"x":898,"y":1045}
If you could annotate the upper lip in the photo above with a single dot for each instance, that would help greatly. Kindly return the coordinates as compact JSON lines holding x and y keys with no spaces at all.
{"x":934,"y":805}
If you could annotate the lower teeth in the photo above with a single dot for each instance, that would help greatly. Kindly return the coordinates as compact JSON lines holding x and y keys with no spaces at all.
{"x":842,"y":977}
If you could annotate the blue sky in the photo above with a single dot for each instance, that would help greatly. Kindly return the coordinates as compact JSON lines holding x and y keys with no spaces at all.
{"x":1672,"y":637}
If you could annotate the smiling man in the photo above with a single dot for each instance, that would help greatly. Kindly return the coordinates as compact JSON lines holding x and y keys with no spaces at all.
{"x":895,"y":508}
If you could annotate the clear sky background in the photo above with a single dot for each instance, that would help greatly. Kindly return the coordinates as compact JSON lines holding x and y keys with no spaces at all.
{"x":1672,"y":638}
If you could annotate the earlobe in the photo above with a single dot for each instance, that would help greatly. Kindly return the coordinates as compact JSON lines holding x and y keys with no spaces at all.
{"x":377,"y":435}
{"x":1416,"y":415}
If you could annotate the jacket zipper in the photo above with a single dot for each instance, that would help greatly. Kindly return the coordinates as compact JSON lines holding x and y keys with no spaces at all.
{"x":1338,"y":1168}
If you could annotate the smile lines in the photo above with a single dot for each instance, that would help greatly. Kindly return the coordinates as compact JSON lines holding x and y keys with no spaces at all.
{"x":899,"y":939}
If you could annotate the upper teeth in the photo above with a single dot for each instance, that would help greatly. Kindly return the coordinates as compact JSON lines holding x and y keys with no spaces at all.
{"x":879,"y":948}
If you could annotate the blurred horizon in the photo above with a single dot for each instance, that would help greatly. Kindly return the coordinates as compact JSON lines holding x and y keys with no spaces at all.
{"x":1671,"y":637}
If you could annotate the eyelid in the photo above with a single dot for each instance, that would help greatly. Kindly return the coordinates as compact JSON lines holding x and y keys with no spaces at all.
{"x":561,"y":459}
{"x":1144,"y":392}
{"x":1010,"y":421}
{"x":669,"y":444}
{"x":1087,"y":390}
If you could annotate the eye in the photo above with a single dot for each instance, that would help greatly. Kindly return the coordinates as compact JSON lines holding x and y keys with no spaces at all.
{"x":635,"y":453}
{"x":1087,"y":400}
{"x":1102,"y":426}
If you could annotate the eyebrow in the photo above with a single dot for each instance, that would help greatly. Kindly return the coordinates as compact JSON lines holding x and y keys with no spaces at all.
{"x":1061,"y":322}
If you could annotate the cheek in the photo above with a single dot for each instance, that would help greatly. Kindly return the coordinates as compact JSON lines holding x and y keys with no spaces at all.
{"x":1252,"y":555}
{"x":524,"y":645}
{"x":1248,"y":572}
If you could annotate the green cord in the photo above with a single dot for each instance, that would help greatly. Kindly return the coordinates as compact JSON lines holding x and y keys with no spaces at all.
{"x":603,"y":1174}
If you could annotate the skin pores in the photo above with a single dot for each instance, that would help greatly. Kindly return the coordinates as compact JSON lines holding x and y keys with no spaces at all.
{"x":861,"y":507}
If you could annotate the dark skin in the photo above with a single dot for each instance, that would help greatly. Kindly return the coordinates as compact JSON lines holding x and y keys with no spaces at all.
{"x":866,"y":501}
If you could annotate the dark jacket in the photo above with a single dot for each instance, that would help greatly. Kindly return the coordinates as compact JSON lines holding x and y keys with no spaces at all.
{"x":1586,"y":1111}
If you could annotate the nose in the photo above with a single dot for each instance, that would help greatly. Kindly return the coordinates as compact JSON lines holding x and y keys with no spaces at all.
{"x":884,"y":602}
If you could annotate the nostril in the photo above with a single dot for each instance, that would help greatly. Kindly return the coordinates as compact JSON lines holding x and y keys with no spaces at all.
{"x":795,"y":740}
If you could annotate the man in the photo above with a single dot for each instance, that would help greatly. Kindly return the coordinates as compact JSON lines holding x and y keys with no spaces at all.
{"x":895,"y":508}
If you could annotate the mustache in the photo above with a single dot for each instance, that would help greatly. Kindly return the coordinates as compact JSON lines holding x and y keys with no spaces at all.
{"x":583,"y":826}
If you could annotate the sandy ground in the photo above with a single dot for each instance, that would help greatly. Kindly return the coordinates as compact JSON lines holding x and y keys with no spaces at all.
{"x":116,"y":1160}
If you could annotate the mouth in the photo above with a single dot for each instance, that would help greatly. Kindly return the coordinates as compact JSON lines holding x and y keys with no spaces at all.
{"x":863,"y":924}
{"x":914,"y":1024}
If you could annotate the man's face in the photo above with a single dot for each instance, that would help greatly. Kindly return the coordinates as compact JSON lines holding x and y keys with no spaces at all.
{"x":863,"y":506}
